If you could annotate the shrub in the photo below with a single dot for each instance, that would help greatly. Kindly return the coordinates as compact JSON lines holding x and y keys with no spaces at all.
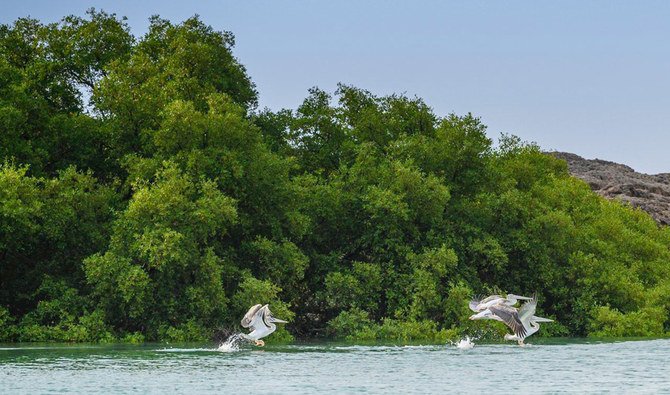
{"x":608,"y":322}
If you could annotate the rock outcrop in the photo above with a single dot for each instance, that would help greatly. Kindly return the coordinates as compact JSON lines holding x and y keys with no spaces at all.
{"x":612,"y":180}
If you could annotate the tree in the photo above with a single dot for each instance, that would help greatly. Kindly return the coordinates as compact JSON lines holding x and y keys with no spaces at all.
{"x":161,"y":270}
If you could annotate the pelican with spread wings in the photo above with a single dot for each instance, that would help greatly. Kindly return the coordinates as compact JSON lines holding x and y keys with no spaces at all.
{"x":529,"y":321}
{"x":523,"y":322}
{"x":261,"y":322}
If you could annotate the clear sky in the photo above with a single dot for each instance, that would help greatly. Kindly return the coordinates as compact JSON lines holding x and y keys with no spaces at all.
{"x":588,"y":77}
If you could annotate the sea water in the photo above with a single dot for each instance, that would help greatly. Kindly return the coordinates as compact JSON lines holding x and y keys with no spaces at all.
{"x":549,"y":366}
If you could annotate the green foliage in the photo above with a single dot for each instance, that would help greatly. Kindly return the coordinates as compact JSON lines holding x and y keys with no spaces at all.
{"x":357,"y":288}
{"x":430,"y":271}
{"x":404,"y":331}
{"x":47,"y":226}
{"x":165,"y":206}
{"x":160,"y":269}
{"x":645,"y":322}
{"x":349,"y":323}
{"x":60,"y":316}
{"x":456,"y":310}
{"x":184,"y":332}
{"x":133,"y":338}
{"x":282,"y":262}
{"x":44,"y":69}
{"x":7,"y":328}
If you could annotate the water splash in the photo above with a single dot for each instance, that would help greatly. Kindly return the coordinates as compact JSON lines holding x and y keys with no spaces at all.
{"x":464,"y":344}
{"x":232,"y":344}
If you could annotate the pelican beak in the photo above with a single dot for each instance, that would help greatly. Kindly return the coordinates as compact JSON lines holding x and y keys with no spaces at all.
{"x":280,"y":321}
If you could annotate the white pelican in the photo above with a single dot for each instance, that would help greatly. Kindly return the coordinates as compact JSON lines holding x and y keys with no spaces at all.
{"x":529,"y":321}
{"x":477,"y":305}
{"x":261,"y":322}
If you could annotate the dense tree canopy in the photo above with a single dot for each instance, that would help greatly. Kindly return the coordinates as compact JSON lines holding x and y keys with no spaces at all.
{"x":144,"y":196}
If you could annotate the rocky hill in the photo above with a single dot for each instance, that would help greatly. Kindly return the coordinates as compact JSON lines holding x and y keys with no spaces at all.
{"x":616,"y":181}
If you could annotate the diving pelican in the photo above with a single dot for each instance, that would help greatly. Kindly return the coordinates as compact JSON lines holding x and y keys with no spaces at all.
{"x":477,"y":305}
{"x":261,"y":322}
{"x":529,"y":321}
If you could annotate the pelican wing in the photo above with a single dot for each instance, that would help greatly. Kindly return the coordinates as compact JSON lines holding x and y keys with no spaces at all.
{"x":527,"y":310}
{"x":260,"y":320}
{"x":473,"y":304}
{"x":248,"y":320}
{"x":268,"y":317}
{"x":490,"y":298}
{"x":510,"y":317}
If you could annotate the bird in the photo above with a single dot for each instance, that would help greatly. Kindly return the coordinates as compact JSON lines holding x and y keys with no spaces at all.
{"x":478,"y":305}
{"x":261,"y":322}
{"x":529,"y":321}
{"x":481,"y":307}
{"x":523,"y":322}
{"x":510,"y":316}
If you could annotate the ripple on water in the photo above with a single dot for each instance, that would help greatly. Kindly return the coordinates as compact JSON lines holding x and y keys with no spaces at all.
{"x":569,"y":367}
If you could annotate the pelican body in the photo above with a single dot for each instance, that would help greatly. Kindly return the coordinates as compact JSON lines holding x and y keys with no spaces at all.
{"x":261,"y":322}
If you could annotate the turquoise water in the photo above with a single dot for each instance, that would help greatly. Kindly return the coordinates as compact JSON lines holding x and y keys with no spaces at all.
{"x":560,"y":366}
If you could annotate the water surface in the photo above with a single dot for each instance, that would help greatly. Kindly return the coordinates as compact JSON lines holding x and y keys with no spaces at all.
{"x":560,"y":366}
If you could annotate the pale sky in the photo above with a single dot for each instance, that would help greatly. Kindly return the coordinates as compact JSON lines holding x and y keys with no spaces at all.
{"x":588,"y":77}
